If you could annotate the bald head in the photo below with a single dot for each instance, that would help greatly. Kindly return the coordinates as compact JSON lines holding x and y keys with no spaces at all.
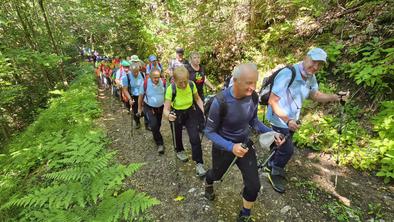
{"x":245,"y":79}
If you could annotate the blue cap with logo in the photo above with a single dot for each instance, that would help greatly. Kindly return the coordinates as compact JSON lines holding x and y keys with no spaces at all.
{"x":317,"y":54}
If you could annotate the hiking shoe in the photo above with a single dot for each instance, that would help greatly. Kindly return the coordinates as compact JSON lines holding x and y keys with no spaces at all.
{"x":209,"y":192}
{"x":278,"y":182}
{"x":182,"y":156}
{"x":160,"y":149}
{"x":137,"y":125}
{"x":242,"y":218}
{"x":200,"y":170}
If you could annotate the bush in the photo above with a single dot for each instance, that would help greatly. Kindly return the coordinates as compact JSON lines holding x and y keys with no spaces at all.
{"x":59,"y":169}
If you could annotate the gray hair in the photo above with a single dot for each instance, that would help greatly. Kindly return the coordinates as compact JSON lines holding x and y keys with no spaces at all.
{"x":194,"y":53}
{"x":134,"y":66}
{"x":241,"y":68}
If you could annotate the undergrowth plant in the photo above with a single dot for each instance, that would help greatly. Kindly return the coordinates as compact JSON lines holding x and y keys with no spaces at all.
{"x":59,"y":168}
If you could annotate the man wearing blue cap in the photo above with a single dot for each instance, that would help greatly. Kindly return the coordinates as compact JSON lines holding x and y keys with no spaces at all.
{"x":153,"y":64}
{"x":284,"y":107}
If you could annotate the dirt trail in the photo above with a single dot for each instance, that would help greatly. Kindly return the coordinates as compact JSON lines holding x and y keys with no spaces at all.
{"x":310,"y":194}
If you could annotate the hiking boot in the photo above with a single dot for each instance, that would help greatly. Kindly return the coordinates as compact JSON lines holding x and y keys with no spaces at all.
{"x":277,"y":179}
{"x":182,"y":156}
{"x":209,"y":192}
{"x":242,"y":218}
{"x":200,"y":170}
{"x":137,"y":125}
{"x":147,"y":127}
{"x":160,"y":149}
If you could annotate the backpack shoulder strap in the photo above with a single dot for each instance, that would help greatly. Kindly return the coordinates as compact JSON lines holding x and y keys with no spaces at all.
{"x":191,"y":84}
{"x":293,"y":74}
{"x":128,"y":84}
{"x":222,"y":104}
{"x":255,"y":97}
{"x":173,"y":89}
{"x":145,"y":85}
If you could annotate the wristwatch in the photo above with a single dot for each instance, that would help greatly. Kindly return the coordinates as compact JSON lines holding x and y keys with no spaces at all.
{"x":288,"y":121}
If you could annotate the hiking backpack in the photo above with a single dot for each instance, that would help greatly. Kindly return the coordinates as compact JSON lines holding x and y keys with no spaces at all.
{"x":223,"y":104}
{"x":268,"y":83}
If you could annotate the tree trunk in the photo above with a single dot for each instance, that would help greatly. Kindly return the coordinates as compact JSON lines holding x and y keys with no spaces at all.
{"x":24,"y":26}
{"x":55,"y":47}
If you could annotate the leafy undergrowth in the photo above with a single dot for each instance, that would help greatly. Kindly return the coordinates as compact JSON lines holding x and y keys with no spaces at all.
{"x":60,"y":170}
{"x":357,"y":147}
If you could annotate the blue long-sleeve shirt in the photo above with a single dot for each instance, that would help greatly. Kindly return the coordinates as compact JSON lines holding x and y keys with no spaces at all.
{"x":233,"y":127}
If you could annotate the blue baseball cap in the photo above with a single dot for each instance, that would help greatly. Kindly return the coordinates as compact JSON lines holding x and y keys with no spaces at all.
{"x":152,"y":58}
{"x":317,"y":54}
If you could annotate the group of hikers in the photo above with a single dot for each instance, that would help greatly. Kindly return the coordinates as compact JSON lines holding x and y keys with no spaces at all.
{"x":150,"y":92}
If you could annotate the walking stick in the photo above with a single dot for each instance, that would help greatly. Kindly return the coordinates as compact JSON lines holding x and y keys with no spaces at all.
{"x":172,"y":124}
{"x":339,"y":130}
{"x":230,"y":166}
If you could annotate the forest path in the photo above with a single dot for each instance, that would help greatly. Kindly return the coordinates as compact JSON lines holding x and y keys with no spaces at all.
{"x":310,"y":194}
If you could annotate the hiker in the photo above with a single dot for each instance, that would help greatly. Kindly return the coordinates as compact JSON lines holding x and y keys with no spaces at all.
{"x":197,"y":75}
{"x":153,"y":64}
{"x":124,"y":68}
{"x":285,"y":103}
{"x":137,"y":60}
{"x":178,"y":61}
{"x":179,"y":100}
{"x":131,"y":83}
{"x":151,"y":100}
{"x":231,"y":113}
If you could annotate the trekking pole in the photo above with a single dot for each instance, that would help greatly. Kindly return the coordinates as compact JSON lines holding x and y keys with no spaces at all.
{"x":339,"y":130}
{"x":231,"y":165}
{"x":262,"y":164}
{"x":172,"y":124}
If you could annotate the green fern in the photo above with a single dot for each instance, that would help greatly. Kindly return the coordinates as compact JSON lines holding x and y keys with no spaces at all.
{"x":126,"y":206}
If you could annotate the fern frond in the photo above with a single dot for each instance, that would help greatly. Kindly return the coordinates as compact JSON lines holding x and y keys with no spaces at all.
{"x":110,"y":179}
{"x":127,"y":205}
{"x":57,"y":196}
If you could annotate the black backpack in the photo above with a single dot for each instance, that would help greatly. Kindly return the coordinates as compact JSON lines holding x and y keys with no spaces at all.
{"x":268,"y":83}
{"x":223,"y":104}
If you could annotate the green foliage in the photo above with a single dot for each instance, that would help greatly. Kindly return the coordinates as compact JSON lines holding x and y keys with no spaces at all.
{"x":375,"y":210}
{"x":311,"y":190}
{"x":65,"y":172}
{"x":358,"y":148}
{"x":384,"y":126}
{"x":334,"y":51}
{"x":343,"y":213}
{"x":375,"y":68}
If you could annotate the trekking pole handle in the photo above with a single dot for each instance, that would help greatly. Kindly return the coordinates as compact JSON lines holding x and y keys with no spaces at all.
{"x":172,"y":113}
{"x":341,"y":95}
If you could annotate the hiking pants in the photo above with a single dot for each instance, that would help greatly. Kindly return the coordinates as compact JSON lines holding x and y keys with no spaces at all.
{"x":221,"y":160}
{"x":154,"y":116}
{"x":285,"y":152}
{"x":188,"y":118}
